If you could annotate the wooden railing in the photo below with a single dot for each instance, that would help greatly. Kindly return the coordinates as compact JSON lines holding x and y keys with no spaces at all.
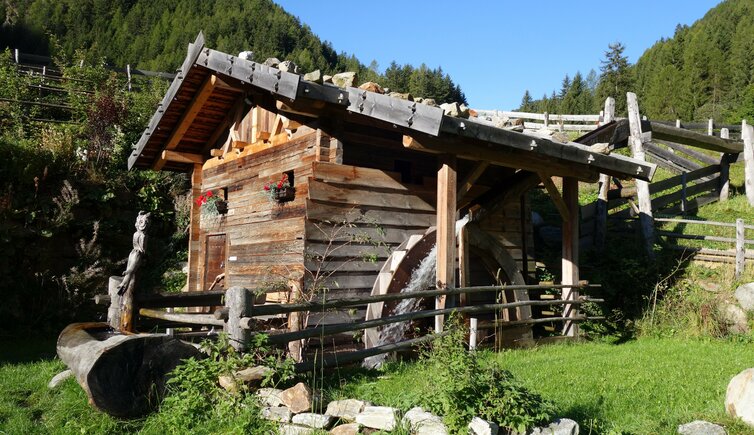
{"x":550,"y":121}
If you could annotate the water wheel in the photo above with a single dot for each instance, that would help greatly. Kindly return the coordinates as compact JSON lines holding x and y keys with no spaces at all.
{"x":489,"y":261}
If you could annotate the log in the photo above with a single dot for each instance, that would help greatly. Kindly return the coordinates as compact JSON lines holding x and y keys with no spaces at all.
{"x":123,"y":375}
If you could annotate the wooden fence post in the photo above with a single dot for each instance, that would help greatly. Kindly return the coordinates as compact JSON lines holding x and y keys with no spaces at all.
{"x":642,"y":187}
{"x":747,"y":134}
{"x":683,"y":193}
{"x":473,"y":325}
{"x":710,"y":127}
{"x":600,"y":215}
{"x":547,"y":119}
{"x":446,"y":231}
{"x":725,"y":160}
{"x":740,"y":247}
{"x":677,"y":123}
{"x":239,"y":302}
{"x":570,"y":254}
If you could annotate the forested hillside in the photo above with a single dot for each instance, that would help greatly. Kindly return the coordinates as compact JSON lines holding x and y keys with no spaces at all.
{"x":703,"y":71}
{"x":153,"y":35}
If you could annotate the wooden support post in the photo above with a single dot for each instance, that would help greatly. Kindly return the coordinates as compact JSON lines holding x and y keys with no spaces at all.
{"x":446,"y":235}
{"x":725,"y":160}
{"x":642,"y":187}
{"x":296,"y":322}
{"x":239,"y":302}
{"x":547,"y":120}
{"x":600,"y":216}
{"x":683,"y":193}
{"x":194,"y":277}
{"x":464,"y":277}
{"x":710,"y":127}
{"x":747,"y":134}
{"x":128,"y":76}
{"x":740,"y":247}
{"x":570,"y":254}
{"x":474,"y":324}
{"x":677,"y":123}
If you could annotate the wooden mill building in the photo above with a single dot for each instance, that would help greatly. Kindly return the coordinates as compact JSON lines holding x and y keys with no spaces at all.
{"x":372,"y":174}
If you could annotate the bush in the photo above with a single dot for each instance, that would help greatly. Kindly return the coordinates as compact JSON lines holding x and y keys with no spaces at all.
{"x":465,"y":388}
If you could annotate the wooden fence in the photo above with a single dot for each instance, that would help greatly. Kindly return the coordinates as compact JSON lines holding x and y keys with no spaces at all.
{"x":738,"y":254}
{"x":550,"y":121}
{"x":242,"y":320}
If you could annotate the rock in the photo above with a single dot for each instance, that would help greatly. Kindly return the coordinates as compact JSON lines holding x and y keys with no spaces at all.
{"x":455,"y":110}
{"x":251,"y":374}
{"x":711,"y":287}
{"x":745,"y":296}
{"x":269,"y":396}
{"x":326,"y":79}
{"x":59,"y":378}
{"x":310,"y":419}
{"x":473,"y":113}
{"x":378,"y":417}
{"x":402,"y":96}
{"x":272,"y":61}
{"x":421,"y":422}
{"x":701,"y":427}
{"x":561,"y":426}
{"x":292,"y":429}
{"x":346,"y":429}
{"x":288,"y":66}
{"x":314,"y":76}
{"x":227,"y":382}
{"x":733,"y":317}
{"x":277,"y":413}
{"x":418,"y":100}
{"x":346,"y":409}
{"x":344,"y":80}
{"x":429,"y":102}
{"x":739,"y":398}
{"x":246,"y":55}
{"x":559,"y":136}
{"x":298,"y":398}
{"x":372,"y":87}
{"x":479,"y":426}
{"x":600,"y":148}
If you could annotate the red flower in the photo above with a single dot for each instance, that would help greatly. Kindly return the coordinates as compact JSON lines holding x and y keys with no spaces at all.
{"x":209,"y":194}
{"x":266,"y":187}
{"x":280,"y":184}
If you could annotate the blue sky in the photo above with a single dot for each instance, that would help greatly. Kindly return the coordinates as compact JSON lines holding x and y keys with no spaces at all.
{"x":495,"y":49}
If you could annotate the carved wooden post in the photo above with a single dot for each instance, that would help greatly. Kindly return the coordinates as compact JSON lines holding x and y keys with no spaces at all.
{"x":127,"y":286}
{"x":446,"y":231}
{"x":747,"y":134}
{"x":240,"y":303}
{"x":642,"y":187}
{"x":600,"y":216}
{"x":725,"y":161}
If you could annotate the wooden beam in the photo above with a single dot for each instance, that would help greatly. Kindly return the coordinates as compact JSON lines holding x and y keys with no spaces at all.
{"x":642,"y":187}
{"x":188,"y":117}
{"x":176,"y":156}
{"x":446,"y":232}
{"x":570,"y":255}
{"x":552,"y":190}
{"x":471,"y":178}
{"x":700,"y":140}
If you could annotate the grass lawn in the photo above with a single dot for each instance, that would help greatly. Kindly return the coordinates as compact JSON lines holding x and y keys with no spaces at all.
{"x":647,"y":386}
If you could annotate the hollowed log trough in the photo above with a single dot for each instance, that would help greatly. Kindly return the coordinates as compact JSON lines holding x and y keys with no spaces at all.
{"x":123,"y":375}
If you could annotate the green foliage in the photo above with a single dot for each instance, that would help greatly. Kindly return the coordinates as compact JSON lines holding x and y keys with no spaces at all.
{"x":616,"y":77}
{"x":464,"y":387}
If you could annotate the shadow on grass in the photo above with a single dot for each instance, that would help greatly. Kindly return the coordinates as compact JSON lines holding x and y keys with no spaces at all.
{"x":25,"y":350}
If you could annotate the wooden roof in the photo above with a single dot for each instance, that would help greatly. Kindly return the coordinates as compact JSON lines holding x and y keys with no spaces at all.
{"x":210,"y":83}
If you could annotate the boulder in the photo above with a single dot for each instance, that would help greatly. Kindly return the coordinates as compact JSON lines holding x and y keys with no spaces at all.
{"x":378,"y":417}
{"x":346,"y":429}
{"x":246,"y":55}
{"x":228,"y":383}
{"x":344,"y":80}
{"x":59,"y":378}
{"x":269,"y":396}
{"x":429,"y":102}
{"x":252,"y":374}
{"x":600,"y":148}
{"x":739,"y":398}
{"x":733,"y":317}
{"x":455,"y":110}
{"x":421,"y":422}
{"x":561,"y":426}
{"x":280,"y":414}
{"x":402,"y":96}
{"x":292,"y":429}
{"x":372,"y":87}
{"x":310,"y":419}
{"x":745,"y":296}
{"x":479,"y":426}
{"x":314,"y":76}
{"x":326,"y":79}
{"x":288,"y":66}
{"x":346,"y":409}
{"x":298,"y":398}
{"x":701,"y":427}
{"x":559,"y":136}
{"x":271,"y":61}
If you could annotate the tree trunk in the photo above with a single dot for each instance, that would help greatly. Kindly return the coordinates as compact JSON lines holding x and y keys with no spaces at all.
{"x":123,"y":375}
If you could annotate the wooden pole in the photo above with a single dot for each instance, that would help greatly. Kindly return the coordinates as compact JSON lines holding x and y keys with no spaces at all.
{"x":747,"y":134}
{"x":642,"y":187}
{"x":570,"y":254}
{"x":683,"y":193}
{"x":600,"y":216}
{"x":677,"y":123}
{"x":240,"y":303}
{"x":296,"y":323}
{"x":474,"y":324}
{"x":740,"y":247}
{"x":446,"y":237}
{"x":725,"y":159}
{"x":710,"y":127}
{"x":194,"y":275}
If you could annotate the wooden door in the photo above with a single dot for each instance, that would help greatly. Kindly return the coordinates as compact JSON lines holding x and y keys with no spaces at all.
{"x":214,"y":261}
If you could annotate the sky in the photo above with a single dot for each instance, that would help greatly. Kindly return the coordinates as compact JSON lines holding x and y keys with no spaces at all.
{"x":495,"y":50}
